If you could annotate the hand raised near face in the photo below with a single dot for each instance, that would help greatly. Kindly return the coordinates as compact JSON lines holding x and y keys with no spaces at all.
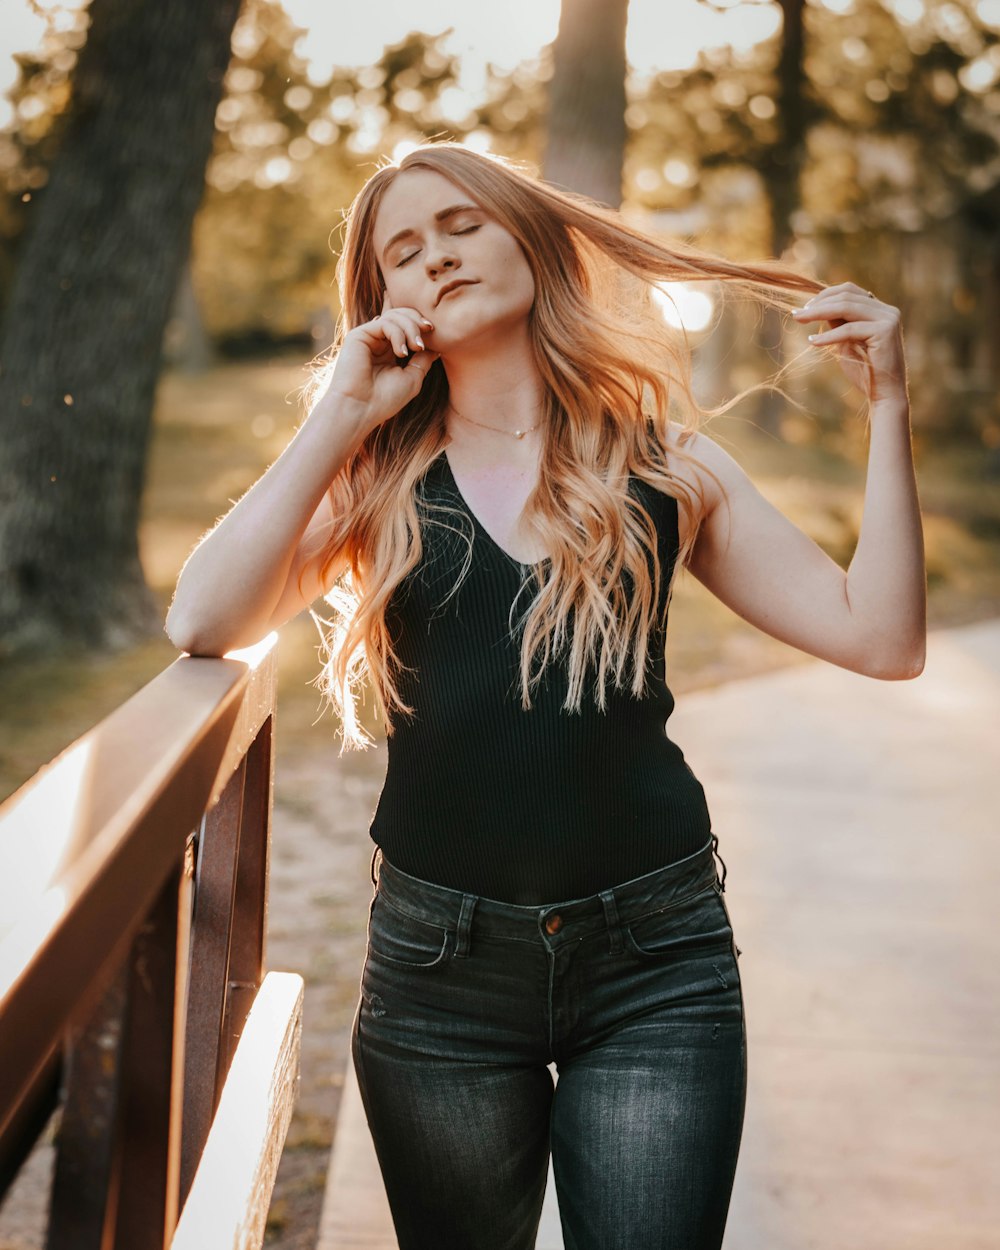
{"x":369,"y":371}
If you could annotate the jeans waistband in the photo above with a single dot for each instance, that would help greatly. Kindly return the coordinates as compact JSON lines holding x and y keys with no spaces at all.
{"x":455,"y":909}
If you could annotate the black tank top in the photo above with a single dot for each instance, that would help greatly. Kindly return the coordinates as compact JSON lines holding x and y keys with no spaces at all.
{"x":527,"y":807}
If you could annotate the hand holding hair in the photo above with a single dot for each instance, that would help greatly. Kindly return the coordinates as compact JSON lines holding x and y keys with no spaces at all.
{"x":868,"y":336}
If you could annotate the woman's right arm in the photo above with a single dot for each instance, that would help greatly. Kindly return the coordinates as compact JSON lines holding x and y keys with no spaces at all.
{"x":240,"y":582}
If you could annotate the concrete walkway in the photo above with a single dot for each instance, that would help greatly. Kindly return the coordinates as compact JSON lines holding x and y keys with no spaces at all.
{"x":859,"y":825}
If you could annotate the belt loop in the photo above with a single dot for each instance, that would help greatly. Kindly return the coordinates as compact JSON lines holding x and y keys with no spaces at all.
{"x":611,"y":916}
{"x":374,"y":875}
{"x":715,"y":844}
{"x":464,"y":925}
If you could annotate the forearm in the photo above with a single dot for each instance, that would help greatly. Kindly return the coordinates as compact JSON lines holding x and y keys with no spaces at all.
{"x":886,"y":580}
{"x":231,"y":583}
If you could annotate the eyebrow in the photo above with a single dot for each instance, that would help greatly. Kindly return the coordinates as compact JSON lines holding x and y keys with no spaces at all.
{"x":442,"y":215}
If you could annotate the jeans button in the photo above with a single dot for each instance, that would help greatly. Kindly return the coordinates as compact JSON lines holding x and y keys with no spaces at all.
{"x":553,"y":924}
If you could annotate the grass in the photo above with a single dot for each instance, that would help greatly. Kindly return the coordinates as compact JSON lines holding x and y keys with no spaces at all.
{"x":215,"y":434}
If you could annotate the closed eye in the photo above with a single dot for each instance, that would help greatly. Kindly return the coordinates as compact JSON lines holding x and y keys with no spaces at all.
{"x":406,"y":259}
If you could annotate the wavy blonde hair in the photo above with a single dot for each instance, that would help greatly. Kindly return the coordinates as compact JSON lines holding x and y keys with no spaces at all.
{"x":613,"y":370}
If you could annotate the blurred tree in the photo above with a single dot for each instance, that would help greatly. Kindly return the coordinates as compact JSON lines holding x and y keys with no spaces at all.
{"x":888,"y":163}
{"x":513,"y":111}
{"x":585,"y":150}
{"x":83,"y":327}
{"x":291,"y":150}
{"x":896,"y":126}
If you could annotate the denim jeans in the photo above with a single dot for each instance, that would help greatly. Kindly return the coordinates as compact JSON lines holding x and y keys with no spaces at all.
{"x":633,"y":994}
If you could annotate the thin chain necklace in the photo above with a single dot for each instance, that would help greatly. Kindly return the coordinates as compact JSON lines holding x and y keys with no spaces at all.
{"x":496,"y":428}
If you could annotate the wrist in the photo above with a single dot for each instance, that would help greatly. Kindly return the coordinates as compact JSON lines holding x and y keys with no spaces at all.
{"x":896,"y":404}
{"x":344,"y":411}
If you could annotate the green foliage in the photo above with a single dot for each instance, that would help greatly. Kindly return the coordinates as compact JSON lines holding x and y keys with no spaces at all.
{"x":901,"y":121}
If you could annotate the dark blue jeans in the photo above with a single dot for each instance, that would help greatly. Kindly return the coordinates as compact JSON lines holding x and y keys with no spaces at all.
{"x":634,"y":994}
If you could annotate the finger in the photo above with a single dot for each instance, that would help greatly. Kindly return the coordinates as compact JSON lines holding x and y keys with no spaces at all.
{"x":393,"y":336}
{"x":394,"y":331}
{"x":411,"y":324}
{"x":828,"y":309}
{"x":856,"y":331}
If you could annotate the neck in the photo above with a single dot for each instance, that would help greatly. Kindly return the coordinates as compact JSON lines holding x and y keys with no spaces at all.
{"x":498,"y":386}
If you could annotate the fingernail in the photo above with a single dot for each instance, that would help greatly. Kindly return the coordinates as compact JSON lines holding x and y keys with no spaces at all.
{"x":812,"y":337}
{"x":404,"y":350}
{"x":419,"y":342}
{"x":428,"y":324}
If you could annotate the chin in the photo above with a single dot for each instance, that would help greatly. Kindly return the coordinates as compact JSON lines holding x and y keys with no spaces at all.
{"x":503,"y":326}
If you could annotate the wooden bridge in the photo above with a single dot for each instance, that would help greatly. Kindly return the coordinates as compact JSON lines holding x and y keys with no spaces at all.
{"x":133,"y":990}
{"x":858,"y":823}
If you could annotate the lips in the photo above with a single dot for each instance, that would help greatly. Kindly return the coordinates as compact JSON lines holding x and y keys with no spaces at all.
{"x":451,"y":286}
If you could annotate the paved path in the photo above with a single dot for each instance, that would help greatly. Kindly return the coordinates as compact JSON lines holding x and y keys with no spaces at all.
{"x":860,"y":827}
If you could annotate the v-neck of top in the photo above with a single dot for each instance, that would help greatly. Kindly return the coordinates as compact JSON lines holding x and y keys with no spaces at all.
{"x":481,"y":528}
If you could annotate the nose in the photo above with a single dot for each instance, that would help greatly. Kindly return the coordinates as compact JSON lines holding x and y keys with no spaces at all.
{"x":440,"y":259}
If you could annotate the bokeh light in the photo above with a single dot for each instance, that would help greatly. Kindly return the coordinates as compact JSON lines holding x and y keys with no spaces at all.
{"x":685,"y":307}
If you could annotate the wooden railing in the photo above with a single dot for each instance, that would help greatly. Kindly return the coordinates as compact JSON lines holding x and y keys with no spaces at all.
{"x":133,"y":995}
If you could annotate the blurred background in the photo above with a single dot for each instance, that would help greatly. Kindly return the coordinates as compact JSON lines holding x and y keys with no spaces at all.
{"x":172,"y":183}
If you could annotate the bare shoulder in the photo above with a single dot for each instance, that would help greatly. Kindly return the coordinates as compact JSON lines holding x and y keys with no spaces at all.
{"x":707,"y":458}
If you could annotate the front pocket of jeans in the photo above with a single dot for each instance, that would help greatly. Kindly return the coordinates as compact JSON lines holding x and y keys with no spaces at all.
{"x":401,"y":939}
{"x":699,"y":923}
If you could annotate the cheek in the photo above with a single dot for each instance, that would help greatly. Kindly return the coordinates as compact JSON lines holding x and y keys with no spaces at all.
{"x":526,"y":283}
{"x":520,"y":279}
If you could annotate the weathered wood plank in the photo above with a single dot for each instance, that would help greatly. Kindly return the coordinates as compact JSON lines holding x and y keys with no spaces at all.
{"x":227,"y":1206}
{"x":85,"y":853}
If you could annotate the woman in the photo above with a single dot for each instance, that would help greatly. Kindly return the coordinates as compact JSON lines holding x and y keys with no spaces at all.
{"x":490,"y":489}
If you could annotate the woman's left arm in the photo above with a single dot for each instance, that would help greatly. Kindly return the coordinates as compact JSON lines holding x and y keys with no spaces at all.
{"x":873,"y":619}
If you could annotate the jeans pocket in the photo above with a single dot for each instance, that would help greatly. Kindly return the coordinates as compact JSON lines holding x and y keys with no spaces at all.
{"x":697,"y":923}
{"x":398,"y":938}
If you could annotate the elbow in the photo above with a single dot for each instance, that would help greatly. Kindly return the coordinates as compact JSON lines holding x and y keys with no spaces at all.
{"x":186,"y":639}
{"x":898,"y":665}
{"x":200,"y":642}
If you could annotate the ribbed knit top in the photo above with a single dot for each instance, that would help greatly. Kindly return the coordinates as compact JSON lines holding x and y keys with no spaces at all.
{"x":529,"y":807}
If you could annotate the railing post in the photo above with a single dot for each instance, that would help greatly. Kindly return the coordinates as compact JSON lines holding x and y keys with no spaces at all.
{"x":246,"y":964}
{"x":218,"y":851}
{"x":89,"y":1127}
{"x":152,"y":1074}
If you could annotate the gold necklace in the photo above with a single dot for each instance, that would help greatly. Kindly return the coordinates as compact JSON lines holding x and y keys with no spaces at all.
{"x":496,"y":428}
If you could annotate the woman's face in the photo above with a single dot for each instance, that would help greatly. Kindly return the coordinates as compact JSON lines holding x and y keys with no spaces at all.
{"x":429,"y":234}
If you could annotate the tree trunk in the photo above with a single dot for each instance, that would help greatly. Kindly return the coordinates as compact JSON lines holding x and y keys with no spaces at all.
{"x":81,"y":346}
{"x":782,"y":179}
{"x":585,"y":149}
{"x":187,"y":345}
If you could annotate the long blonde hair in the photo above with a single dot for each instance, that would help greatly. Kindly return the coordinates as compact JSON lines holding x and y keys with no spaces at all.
{"x":613,"y":370}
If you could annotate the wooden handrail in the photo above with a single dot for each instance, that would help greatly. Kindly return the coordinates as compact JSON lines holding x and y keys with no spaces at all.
{"x":133,"y":889}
